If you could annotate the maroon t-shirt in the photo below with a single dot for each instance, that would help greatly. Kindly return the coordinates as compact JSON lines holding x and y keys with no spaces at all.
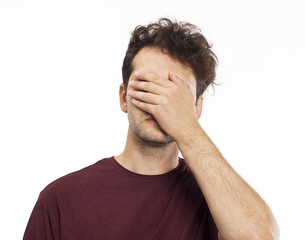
{"x":107,"y":201}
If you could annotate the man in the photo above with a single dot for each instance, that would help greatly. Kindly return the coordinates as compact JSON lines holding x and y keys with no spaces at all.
{"x":148,"y":192}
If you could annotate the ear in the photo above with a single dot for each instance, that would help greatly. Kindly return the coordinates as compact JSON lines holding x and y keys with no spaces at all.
{"x":123,"y":101}
{"x":199,"y":106}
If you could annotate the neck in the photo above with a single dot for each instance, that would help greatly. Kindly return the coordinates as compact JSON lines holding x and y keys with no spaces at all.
{"x":148,"y":158}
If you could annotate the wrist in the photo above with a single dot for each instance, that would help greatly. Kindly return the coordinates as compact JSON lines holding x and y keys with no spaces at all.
{"x":189,"y":135}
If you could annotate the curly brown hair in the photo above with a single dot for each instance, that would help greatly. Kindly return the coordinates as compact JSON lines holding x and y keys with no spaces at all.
{"x":182,"y":41}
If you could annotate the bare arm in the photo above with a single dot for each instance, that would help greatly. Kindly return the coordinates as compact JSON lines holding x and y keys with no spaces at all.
{"x":238,"y":211}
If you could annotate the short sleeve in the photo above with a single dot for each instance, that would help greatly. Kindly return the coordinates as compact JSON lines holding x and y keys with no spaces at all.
{"x":40,"y":225}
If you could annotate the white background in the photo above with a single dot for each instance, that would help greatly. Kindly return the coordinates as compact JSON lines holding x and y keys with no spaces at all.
{"x":60,"y":70}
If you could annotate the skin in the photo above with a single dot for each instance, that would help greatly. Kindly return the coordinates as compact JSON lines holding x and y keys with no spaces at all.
{"x":162,"y":87}
{"x":149,"y":149}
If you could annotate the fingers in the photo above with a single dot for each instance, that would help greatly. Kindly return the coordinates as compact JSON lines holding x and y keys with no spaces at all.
{"x":145,"y":97}
{"x":152,"y":77}
{"x":145,"y":87}
{"x":151,"y":88}
{"x":144,"y":106}
{"x":178,"y":80}
{"x":149,"y":82}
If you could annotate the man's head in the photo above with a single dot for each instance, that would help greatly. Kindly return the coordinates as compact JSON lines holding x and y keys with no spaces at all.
{"x":159,"y":48}
{"x":182,"y":41}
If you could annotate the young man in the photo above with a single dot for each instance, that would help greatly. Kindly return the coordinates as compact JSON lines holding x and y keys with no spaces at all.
{"x":148,"y":192}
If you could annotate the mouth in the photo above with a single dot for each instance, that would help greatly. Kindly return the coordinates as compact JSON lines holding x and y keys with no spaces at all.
{"x":150,"y":118}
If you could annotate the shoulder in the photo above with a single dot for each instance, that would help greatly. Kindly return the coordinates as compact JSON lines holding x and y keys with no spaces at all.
{"x":78,"y":180}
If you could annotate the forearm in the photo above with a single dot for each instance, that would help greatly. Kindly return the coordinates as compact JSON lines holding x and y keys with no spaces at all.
{"x":238,"y":211}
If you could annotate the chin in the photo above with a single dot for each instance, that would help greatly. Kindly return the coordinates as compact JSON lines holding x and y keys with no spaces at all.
{"x":155,"y":138}
{"x":150,"y":133}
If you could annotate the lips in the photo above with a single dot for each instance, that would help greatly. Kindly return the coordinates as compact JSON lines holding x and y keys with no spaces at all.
{"x":151,"y":118}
